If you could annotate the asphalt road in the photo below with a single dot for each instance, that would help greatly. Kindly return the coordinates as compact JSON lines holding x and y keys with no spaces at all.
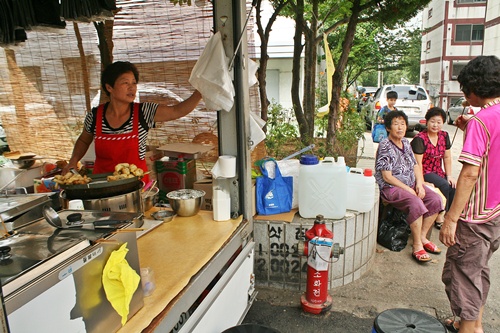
{"x":395,"y":281}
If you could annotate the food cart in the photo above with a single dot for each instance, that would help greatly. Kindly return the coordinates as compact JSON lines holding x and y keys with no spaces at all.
{"x":203,"y":269}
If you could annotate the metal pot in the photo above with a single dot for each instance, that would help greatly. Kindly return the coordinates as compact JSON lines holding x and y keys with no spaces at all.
{"x":100,"y":188}
{"x":128,"y":202}
{"x":149,"y":198}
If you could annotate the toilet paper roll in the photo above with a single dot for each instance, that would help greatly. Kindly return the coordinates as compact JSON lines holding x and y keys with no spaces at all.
{"x":225,"y":167}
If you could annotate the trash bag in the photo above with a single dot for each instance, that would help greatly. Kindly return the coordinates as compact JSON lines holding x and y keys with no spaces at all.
{"x":393,"y":231}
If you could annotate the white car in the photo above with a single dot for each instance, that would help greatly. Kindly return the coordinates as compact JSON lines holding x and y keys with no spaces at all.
{"x":412,"y":100}
{"x":458,"y":108}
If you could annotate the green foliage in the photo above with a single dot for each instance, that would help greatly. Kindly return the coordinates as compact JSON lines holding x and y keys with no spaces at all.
{"x":282,"y":135}
{"x":351,"y":130}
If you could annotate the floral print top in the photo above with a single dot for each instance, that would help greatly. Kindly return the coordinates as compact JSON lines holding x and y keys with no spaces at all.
{"x":433,"y":155}
{"x":400,"y":161}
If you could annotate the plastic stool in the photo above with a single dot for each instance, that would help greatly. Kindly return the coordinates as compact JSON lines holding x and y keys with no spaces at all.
{"x":406,"y":321}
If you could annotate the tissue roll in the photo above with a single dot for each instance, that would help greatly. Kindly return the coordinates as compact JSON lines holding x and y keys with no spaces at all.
{"x":225,"y":167}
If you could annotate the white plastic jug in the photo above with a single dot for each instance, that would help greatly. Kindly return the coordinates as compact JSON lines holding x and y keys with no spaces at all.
{"x":322,"y":187}
{"x":360,"y":190}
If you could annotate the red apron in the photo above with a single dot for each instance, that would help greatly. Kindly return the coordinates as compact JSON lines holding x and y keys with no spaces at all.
{"x":112,"y":149}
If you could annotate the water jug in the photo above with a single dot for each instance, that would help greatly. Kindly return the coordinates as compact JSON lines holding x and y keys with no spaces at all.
{"x":322,"y":187}
{"x":360,"y":190}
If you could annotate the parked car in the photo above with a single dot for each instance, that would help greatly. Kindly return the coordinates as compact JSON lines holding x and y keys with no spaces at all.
{"x":412,"y":100}
{"x":364,"y":96}
{"x":460,"y":107}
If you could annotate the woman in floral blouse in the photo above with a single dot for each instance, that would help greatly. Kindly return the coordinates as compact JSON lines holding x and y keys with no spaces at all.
{"x":432,"y":151}
{"x":401,"y":184}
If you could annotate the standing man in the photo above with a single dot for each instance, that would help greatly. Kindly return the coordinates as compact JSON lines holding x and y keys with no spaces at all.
{"x":471,"y":228}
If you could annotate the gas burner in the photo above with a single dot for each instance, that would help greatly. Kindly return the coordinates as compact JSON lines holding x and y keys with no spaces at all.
{"x":5,"y":253}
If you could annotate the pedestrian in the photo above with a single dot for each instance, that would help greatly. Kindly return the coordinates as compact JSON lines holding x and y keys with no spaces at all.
{"x":120,"y":127}
{"x":432,"y":149}
{"x":471,"y":228}
{"x":379,"y":131}
{"x":401,"y":185}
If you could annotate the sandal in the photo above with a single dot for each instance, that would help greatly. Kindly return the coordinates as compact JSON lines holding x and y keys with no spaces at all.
{"x":432,"y":248}
{"x":452,"y":325}
{"x":421,"y":256}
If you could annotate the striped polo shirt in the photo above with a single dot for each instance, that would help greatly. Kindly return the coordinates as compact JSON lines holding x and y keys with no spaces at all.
{"x":147,"y":112}
{"x":482,"y":148}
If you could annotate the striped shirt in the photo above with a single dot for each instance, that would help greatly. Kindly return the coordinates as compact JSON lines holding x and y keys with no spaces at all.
{"x":482,"y":148}
{"x":147,"y":112}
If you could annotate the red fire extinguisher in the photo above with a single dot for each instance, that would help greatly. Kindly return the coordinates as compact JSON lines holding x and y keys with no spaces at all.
{"x":318,"y":249}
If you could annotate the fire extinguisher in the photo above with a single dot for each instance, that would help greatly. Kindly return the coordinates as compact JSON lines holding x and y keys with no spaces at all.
{"x":318,"y":249}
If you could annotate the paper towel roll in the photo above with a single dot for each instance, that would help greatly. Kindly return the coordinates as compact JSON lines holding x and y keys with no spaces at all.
{"x":225,"y":167}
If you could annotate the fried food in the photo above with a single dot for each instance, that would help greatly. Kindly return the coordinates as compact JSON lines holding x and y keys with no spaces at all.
{"x":72,"y":179}
{"x":124,"y":171}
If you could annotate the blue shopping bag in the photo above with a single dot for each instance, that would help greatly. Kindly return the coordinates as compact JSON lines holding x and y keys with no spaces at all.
{"x":274,"y":195}
{"x":379,"y":132}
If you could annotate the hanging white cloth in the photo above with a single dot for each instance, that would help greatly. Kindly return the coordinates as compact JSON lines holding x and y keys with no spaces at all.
{"x":210,"y":76}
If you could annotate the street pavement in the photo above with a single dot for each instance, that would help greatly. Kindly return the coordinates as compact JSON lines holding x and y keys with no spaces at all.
{"x":394,"y":281}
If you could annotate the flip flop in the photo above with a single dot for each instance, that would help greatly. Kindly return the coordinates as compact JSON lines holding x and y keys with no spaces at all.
{"x":432,"y":248}
{"x":419,"y":256}
{"x":452,"y":325}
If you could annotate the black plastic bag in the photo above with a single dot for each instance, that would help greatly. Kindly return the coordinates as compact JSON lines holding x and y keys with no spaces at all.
{"x":393,"y":231}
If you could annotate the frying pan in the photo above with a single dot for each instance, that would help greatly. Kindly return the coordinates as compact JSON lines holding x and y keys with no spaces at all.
{"x":100,"y":188}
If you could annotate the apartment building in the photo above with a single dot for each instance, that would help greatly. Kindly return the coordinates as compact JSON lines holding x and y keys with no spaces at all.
{"x":454,"y":32}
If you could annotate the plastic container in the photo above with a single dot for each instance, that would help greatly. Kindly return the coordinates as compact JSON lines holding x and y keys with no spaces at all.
{"x":360,"y":190}
{"x":322,"y":187}
{"x":406,"y":320}
{"x":221,"y":202}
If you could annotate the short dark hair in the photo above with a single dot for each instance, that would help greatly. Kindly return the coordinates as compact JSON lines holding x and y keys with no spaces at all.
{"x":394,"y":114}
{"x":435,"y":111}
{"x":113,"y":71}
{"x":392,"y":94}
{"x":481,"y":76}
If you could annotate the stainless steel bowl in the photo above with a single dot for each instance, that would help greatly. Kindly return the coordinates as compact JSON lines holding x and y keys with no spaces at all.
{"x":186,"y":202}
{"x":163,"y":215}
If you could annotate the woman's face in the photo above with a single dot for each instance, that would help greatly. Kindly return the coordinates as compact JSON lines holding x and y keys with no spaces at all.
{"x":398,"y":127}
{"x":124,"y":89}
{"x":435,"y":124}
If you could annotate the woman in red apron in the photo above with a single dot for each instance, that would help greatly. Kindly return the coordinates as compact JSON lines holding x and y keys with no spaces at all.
{"x":120,"y":126}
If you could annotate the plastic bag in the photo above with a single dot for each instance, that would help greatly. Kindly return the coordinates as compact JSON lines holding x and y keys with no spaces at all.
{"x":393,"y":230}
{"x":274,"y":196}
{"x":287,"y":168}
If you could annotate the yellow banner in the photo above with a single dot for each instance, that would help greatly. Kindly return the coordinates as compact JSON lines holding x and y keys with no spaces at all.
{"x":330,"y":69}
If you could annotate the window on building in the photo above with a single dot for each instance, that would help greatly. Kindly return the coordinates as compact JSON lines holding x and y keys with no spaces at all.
{"x":429,"y":14}
{"x":428,"y":45}
{"x":456,"y":68}
{"x":469,"y":1}
{"x":469,"y":32}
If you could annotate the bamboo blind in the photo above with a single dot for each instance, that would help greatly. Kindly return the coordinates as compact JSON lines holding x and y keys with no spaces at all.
{"x":45,"y":93}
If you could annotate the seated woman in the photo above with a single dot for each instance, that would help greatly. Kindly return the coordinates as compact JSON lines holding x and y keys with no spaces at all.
{"x":432,"y":151}
{"x":402,"y":185}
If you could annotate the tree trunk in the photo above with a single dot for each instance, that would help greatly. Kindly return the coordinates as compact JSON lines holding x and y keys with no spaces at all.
{"x":295,"y":89}
{"x":338,"y":76}
{"x":310,"y":55}
{"x":264,"y":55}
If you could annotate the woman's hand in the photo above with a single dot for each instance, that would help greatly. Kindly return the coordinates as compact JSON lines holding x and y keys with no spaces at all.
{"x":452,"y":181}
{"x":420,"y":191}
{"x":447,"y":232}
{"x":461,"y":121}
